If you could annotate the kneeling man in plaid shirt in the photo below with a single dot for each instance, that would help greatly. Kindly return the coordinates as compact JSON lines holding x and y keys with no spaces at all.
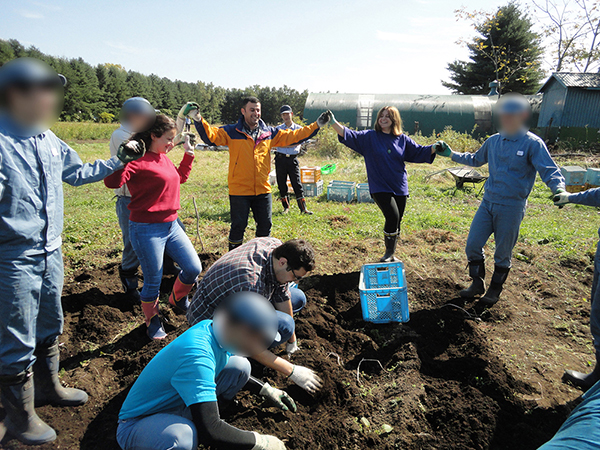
{"x":269,"y":267}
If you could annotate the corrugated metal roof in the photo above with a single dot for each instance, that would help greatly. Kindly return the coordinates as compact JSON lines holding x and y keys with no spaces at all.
{"x":579,"y":80}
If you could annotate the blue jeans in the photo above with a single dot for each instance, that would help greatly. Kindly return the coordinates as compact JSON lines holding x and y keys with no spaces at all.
{"x":30,"y":308}
{"x":151,"y":241}
{"x":504,"y":222}
{"x":595,"y":313}
{"x":175,"y":429}
{"x":240,"y":206}
{"x":287,"y":326}
{"x":129,"y":260}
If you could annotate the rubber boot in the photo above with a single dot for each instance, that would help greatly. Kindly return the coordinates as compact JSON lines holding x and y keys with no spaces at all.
{"x":390,"y":240}
{"x":129,"y":280}
{"x":234,"y":245}
{"x":48,"y":389}
{"x":152,"y":314}
{"x":477,"y":274}
{"x":285,"y":202}
{"x":302,"y":206}
{"x":179,"y":295}
{"x":492,"y":295}
{"x":21,"y":421}
{"x":582,"y":380}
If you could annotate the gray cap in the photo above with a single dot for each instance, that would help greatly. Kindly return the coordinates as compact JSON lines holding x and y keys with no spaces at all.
{"x":285,"y":109}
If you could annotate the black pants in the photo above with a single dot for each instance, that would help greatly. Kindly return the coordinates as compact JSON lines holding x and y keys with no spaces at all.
{"x":240,"y":206}
{"x":392,"y":206}
{"x":288,"y":166}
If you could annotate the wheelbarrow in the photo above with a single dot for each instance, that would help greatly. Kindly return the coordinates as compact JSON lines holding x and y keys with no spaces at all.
{"x":464,"y":175}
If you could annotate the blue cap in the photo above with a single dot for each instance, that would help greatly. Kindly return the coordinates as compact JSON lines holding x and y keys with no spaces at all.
{"x":29,"y":71}
{"x":285,"y":109}
{"x":254,"y":311}
{"x":513,"y":104}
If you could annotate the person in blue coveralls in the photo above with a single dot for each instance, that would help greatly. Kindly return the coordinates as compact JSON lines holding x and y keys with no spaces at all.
{"x":514,"y":156}
{"x":581,"y":430}
{"x":175,"y":402}
{"x":386,"y":150}
{"x":137,"y":114}
{"x":585,"y":381}
{"x":33,"y":165}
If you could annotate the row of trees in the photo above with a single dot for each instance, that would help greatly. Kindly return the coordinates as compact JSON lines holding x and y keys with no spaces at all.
{"x":97,"y":93}
{"x":511,"y":45}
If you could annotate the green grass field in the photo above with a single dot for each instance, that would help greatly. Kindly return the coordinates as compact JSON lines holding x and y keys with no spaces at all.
{"x":345,"y":235}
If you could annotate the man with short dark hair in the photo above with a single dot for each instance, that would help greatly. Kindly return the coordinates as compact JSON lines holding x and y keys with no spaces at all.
{"x":268,"y":267}
{"x":286,"y":164}
{"x":250,"y":141}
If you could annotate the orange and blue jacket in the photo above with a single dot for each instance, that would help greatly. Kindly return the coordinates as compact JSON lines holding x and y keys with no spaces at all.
{"x":250,"y":161}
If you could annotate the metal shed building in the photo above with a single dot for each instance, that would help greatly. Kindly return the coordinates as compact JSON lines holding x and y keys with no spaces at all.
{"x":571,"y":106}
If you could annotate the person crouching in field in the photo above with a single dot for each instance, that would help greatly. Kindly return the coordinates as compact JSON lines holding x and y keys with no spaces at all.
{"x":585,"y":381}
{"x":153,"y":181}
{"x":514,"y":155}
{"x":386,"y":150}
{"x":33,"y":165}
{"x":176,"y":401}
{"x":250,"y":141}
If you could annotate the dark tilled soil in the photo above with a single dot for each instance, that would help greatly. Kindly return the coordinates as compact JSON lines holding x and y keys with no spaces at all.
{"x":437,"y":381}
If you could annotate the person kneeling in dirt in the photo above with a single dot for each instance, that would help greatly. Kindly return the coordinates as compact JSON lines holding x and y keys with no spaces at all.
{"x":33,"y":165}
{"x":590,"y":197}
{"x":581,"y":430}
{"x":268,"y":267}
{"x":154,"y":183}
{"x":175,"y":401}
{"x":513,"y":155}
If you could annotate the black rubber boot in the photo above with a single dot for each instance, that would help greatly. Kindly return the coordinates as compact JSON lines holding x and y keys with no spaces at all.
{"x":584,"y":381}
{"x":129,"y":280}
{"x":285,"y":202}
{"x":22,"y":422}
{"x":477,"y":274}
{"x":48,"y":389}
{"x":492,"y":295}
{"x":391,"y":240}
{"x":234,"y":245}
{"x":302,"y":206}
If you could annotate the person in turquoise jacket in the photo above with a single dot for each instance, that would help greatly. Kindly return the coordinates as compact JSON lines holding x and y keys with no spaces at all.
{"x":514,"y":156}
{"x":33,"y":165}
{"x":581,"y":430}
{"x":585,"y":381}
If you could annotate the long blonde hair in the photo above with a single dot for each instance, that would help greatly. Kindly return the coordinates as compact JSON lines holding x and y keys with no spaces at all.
{"x":394,"y":117}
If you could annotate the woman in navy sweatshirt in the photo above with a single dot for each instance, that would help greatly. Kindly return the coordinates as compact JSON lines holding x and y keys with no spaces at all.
{"x":153,"y":181}
{"x":386,"y":150}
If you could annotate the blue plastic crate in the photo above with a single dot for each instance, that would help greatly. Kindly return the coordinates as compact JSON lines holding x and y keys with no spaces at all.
{"x":592,"y":177}
{"x":313,"y":189}
{"x":363,"y":195}
{"x":341,"y":191}
{"x":383,"y":293}
{"x":384,"y":275}
{"x":574,"y":175}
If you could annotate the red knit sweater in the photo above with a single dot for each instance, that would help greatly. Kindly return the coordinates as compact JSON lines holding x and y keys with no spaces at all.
{"x":153,"y":181}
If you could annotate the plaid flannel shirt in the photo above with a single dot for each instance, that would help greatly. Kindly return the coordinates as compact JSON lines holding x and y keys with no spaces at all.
{"x":247,"y":268}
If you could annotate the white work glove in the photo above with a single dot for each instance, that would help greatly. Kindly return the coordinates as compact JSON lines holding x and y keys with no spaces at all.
{"x":291,"y":347}
{"x":561,"y":198}
{"x":278,"y":397}
{"x":191,"y":110}
{"x":266,"y":442}
{"x":306,"y":379}
{"x":187,"y":146}
{"x":324,"y":118}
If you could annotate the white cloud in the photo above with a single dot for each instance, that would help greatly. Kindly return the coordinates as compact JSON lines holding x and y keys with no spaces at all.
{"x":30,"y":14}
{"x":47,"y":6}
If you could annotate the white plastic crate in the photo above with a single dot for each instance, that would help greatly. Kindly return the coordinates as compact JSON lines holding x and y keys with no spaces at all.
{"x":313,"y":189}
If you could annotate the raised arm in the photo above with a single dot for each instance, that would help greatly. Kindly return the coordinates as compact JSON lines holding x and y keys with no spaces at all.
{"x":416,"y":153}
{"x":289,"y":138}
{"x":477,"y":159}
{"x":185,"y":167}
{"x":210,"y":135}
{"x":76,"y":173}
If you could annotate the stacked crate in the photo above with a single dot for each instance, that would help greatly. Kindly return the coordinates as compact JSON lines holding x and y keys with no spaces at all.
{"x":311,"y":181}
{"x":383,"y":293}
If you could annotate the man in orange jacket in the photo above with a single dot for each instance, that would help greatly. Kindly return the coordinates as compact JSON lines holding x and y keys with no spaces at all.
{"x":250,"y":141}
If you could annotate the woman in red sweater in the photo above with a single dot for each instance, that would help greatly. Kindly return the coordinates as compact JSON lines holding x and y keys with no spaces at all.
{"x":153,"y":181}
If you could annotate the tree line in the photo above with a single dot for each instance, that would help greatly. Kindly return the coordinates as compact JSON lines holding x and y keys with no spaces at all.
{"x":97,"y":93}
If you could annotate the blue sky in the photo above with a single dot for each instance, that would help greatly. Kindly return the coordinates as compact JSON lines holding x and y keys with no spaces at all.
{"x":375,"y":46}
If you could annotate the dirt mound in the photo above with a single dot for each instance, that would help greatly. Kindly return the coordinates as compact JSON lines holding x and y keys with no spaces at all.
{"x":433,"y":383}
